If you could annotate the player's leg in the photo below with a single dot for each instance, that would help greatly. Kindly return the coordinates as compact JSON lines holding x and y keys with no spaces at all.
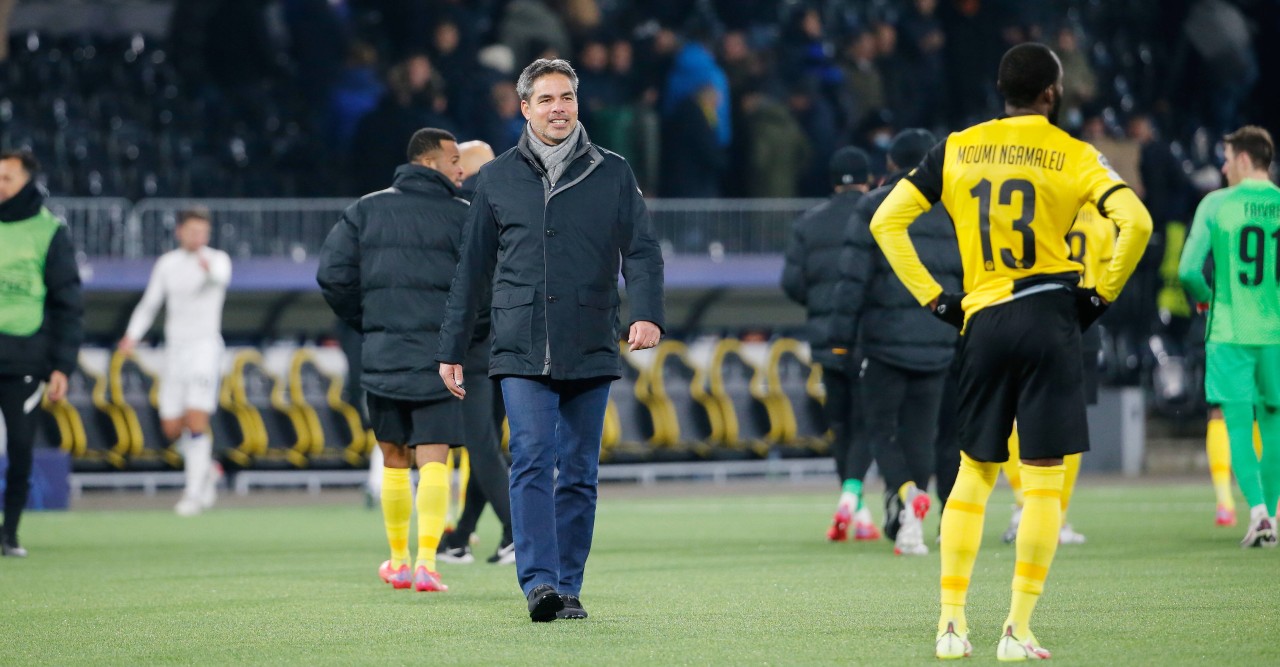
{"x":1268,"y":429}
{"x":391,"y":428}
{"x":1232,"y":381}
{"x":881,"y":409}
{"x":432,"y":504}
{"x":19,"y":399}
{"x":1052,"y":423}
{"x":917,"y":429}
{"x":1013,"y":473}
{"x":947,"y":444}
{"x":489,"y":470}
{"x":838,"y":415}
{"x":172,"y":405}
{"x":1218,"y":448}
{"x":201,"y":476}
{"x":857,"y":464}
{"x":985,"y":411}
{"x":1071,"y":472}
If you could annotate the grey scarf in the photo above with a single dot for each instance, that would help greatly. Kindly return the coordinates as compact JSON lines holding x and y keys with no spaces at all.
{"x":555,"y":159}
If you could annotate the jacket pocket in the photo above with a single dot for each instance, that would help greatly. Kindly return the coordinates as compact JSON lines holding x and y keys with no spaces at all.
{"x":597,"y":320}
{"x":513,"y":320}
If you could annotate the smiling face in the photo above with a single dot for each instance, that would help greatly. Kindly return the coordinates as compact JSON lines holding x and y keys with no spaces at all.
{"x":552,"y":108}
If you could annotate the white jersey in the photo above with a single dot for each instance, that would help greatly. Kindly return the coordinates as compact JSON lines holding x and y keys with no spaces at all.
{"x":191,"y":295}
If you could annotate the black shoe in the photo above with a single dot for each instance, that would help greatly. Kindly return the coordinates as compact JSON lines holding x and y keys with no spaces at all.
{"x":505,"y":555}
{"x":544,"y":603}
{"x":459,"y":556}
{"x":892,"y":508}
{"x":572,"y":608}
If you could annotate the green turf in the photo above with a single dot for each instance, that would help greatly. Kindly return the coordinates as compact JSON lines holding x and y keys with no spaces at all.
{"x":726,"y":580}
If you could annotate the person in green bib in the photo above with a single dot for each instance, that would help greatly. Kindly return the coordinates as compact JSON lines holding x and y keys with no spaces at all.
{"x":40,"y":322}
{"x":1240,"y":226}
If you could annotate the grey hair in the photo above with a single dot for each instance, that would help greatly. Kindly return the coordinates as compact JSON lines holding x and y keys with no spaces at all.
{"x":540,"y":68}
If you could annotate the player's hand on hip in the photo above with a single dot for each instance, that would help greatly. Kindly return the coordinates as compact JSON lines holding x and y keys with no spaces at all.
{"x":57,"y":389}
{"x":452,"y":376}
{"x":1089,"y":306}
{"x":947,"y":308}
{"x":644,"y":335}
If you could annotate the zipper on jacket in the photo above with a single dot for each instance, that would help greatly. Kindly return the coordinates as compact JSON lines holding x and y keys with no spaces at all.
{"x":547,"y":185}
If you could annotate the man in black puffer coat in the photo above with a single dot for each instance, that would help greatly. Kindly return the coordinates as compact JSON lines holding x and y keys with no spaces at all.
{"x":907,"y":349}
{"x":385,"y":269}
{"x":809,"y":278}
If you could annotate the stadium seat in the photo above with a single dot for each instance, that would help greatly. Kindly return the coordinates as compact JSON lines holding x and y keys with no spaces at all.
{"x":339,"y":437}
{"x":106,"y":442}
{"x":284,"y":441}
{"x":679,"y":389}
{"x":737,"y":385}
{"x":133,"y":390}
{"x":795,"y":388}
{"x":638,"y":431}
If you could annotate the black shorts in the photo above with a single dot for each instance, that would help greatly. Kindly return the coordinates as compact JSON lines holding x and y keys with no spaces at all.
{"x":414,"y":423}
{"x":1022,"y":359}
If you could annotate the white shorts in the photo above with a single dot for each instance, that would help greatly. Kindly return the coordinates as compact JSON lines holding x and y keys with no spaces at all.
{"x":191,"y":378}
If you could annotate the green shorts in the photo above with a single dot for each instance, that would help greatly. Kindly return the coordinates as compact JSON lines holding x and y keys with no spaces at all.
{"x":1242,"y":374}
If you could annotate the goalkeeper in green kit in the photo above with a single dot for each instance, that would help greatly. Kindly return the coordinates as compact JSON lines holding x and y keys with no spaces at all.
{"x":1240,"y":227}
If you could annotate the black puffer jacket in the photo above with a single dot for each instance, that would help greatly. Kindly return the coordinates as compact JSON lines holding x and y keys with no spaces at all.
{"x":812,"y":272}
{"x":552,"y":255}
{"x":892,"y":326}
{"x":55,"y":346}
{"x":385,"y":269}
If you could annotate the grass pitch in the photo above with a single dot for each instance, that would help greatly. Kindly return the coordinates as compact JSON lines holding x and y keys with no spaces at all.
{"x":729,"y":579}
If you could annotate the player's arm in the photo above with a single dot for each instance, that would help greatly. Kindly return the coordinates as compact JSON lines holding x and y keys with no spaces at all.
{"x":911,"y":197}
{"x":145,"y":313}
{"x":1115,"y":200}
{"x":793,"y":283}
{"x":339,"y":270}
{"x":219,"y":274}
{"x":63,"y":306}
{"x":1194,"y":253}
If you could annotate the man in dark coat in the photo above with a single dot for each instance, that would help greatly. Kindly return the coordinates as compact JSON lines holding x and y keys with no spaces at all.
{"x":810,"y":277}
{"x":385,"y":269}
{"x":552,"y":221}
{"x":907,"y":349}
{"x":40,"y":323}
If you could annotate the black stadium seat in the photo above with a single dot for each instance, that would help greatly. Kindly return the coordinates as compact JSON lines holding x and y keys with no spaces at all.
{"x":795,"y":386}
{"x":738,"y":386}
{"x":106,"y":434}
{"x":134,"y":390}
{"x":342,"y":440}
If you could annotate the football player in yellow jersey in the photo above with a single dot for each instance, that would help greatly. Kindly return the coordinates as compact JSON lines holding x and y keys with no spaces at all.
{"x":1013,"y":187}
{"x":1091,"y":242}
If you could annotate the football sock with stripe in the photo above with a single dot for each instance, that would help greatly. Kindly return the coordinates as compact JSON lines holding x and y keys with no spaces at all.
{"x":1244,"y":461}
{"x":851,"y":490}
{"x":1037,"y":541}
{"x":397,"y":511}
{"x":962,"y":520}
{"x":433,"y":504}
{"x":1072,"y":463}
{"x":1218,"y":448}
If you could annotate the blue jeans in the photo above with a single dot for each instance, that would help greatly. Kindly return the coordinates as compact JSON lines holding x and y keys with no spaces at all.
{"x":556,"y":426}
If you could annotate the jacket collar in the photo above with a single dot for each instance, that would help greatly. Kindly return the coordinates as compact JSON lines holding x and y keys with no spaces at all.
{"x":24,"y":205}
{"x":417,"y":178}
{"x":584,"y":146}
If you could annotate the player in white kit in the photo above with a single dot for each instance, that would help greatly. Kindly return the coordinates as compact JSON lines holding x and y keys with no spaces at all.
{"x":191,"y":283}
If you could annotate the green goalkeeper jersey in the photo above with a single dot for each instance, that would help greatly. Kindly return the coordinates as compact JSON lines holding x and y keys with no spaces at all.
{"x":1240,"y":226}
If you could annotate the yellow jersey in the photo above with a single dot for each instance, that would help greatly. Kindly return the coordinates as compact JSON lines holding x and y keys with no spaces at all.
{"x":1013,"y":187}
{"x":1091,"y":242}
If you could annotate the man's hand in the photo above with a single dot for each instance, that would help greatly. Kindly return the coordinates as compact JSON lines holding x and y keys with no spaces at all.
{"x":644,"y":335}
{"x":452,"y":376}
{"x":126,"y":345}
{"x":1089,"y":306}
{"x":57,"y":389}
{"x":947,"y":308}
{"x":204,"y":262}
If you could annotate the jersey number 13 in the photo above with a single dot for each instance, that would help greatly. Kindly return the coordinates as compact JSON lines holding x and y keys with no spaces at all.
{"x":1022,"y":224}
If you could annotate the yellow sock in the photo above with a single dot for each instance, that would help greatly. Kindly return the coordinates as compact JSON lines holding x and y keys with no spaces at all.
{"x":1072,"y":463}
{"x":904,"y":492}
{"x":397,"y":510}
{"x":962,"y":520}
{"x":433,"y":504}
{"x":1010,"y":467}
{"x":1218,"y":447}
{"x":1037,"y":541}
